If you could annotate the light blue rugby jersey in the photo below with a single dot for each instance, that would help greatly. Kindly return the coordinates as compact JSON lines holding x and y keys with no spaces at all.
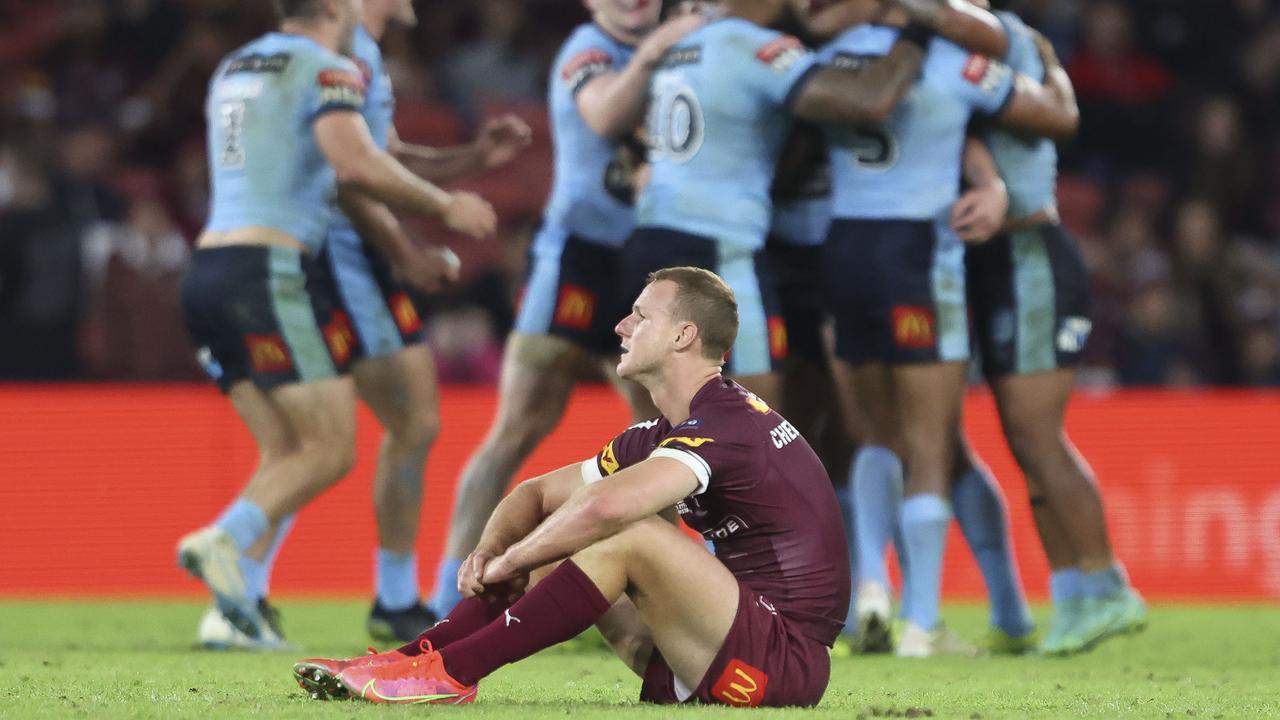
{"x":579,"y":203}
{"x":718,"y":119}
{"x":1029,"y":166}
{"x":264,"y":164}
{"x":379,"y":108}
{"x":910,"y":168}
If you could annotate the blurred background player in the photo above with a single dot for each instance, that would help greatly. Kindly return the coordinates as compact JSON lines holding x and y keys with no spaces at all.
{"x":571,"y":299}
{"x":894,"y":273}
{"x":394,"y":371}
{"x":284,"y":123}
{"x":720,"y":111}
{"x":1029,"y":298}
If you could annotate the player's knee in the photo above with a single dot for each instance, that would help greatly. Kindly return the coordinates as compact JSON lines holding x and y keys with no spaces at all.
{"x":1032,"y":444}
{"x":416,"y":432}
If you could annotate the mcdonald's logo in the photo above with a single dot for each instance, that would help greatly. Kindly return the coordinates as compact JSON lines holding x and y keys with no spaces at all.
{"x":608,"y":461}
{"x":339,"y":337}
{"x":575,"y":307}
{"x":268,"y":354}
{"x":913,"y":327}
{"x":740,"y":685}
{"x":405,"y":314}
{"x":777,"y":337}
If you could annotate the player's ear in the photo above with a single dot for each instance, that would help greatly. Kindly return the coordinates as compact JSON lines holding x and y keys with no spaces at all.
{"x":686,"y":336}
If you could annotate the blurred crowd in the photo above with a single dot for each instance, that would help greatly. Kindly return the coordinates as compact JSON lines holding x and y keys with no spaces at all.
{"x":1172,"y":187}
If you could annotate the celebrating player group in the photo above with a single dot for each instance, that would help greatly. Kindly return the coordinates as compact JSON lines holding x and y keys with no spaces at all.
{"x":735,"y":185}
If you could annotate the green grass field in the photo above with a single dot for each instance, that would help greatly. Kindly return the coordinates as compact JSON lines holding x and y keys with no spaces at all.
{"x":134,"y":660}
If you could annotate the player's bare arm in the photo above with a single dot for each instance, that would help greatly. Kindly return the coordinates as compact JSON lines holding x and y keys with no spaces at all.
{"x":515,"y":517}
{"x":613,"y":104}
{"x":864,"y":96}
{"x":597,"y":511}
{"x":1048,"y":108}
{"x":961,"y":22}
{"x":345,"y":141}
{"x":497,"y":143}
{"x":428,"y":269}
{"x":981,"y":210}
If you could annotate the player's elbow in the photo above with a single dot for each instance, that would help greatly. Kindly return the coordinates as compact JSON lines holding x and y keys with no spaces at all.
{"x":352,"y":176}
{"x":1067,"y":125}
{"x":607,"y":123}
{"x":606,"y":512}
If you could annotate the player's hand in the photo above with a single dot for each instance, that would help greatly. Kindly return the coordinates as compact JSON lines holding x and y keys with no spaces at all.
{"x":501,"y":139}
{"x":470,"y":214}
{"x":503,"y":579}
{"x":980,"y":212}
{"x":430,"y":269}
{"x":651,"y":50}
{"x":471,"y":572}
{"x":499,"y":570}
{"x":928,"y":12}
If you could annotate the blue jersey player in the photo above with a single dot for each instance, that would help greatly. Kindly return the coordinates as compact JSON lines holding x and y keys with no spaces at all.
{"x":895,"y":276}
{"x":1029,"y":299}
{"x":285,"y":131}
{"x":720,"y":111}
{"x":571,"y":301}
{"x":389,"y":362}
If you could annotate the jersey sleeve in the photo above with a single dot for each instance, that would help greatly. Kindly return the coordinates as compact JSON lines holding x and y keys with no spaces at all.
{"x":332,"y":84}
{"x":778,"y":67}
{"x":628,"y":448}
{"x":713,"y":453}
{"x":982,"y":82}
{"x":584,"y":58}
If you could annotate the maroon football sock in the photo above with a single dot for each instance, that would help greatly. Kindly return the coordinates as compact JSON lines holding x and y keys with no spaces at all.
{"x":564,"y":604}
{"x":466,"y":617}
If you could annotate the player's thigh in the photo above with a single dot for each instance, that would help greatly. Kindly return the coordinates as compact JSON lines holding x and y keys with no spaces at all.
{"x":868,"y":394}
{"x":269,"y":426}
{"x":1032,"y":406}
{"x":686,"y":597}
{"x":401,"y":389}
{"x":538,"y":374}
{"x":766,"y":386}
{"x":320,"y":413}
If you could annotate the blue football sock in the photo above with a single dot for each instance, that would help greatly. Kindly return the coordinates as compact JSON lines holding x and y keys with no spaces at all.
{"x":244,"y":521}
{"x":269,"y":560}
{"x":252,"y":572}
{"x":924,"y":527}
{"x":1108,"y":582}
{"x":397,"y":579}
{"x":1065,"y":585}
{"x":877,"y":496}
{"x":846,"y":514}
{"x":981,"y":515}
{"x":446,"y":594}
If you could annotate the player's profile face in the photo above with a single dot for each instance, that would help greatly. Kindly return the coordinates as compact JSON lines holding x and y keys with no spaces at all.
{"x":642,"y":332}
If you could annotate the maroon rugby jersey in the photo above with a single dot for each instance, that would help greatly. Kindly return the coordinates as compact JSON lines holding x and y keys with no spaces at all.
{"x":764,"y":499}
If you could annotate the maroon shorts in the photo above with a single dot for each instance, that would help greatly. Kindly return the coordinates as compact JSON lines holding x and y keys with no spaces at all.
{"x":764,"y":661}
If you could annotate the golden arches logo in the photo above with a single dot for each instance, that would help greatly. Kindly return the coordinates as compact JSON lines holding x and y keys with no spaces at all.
{"x":741,"y":685}
{"x":913,"y":327}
